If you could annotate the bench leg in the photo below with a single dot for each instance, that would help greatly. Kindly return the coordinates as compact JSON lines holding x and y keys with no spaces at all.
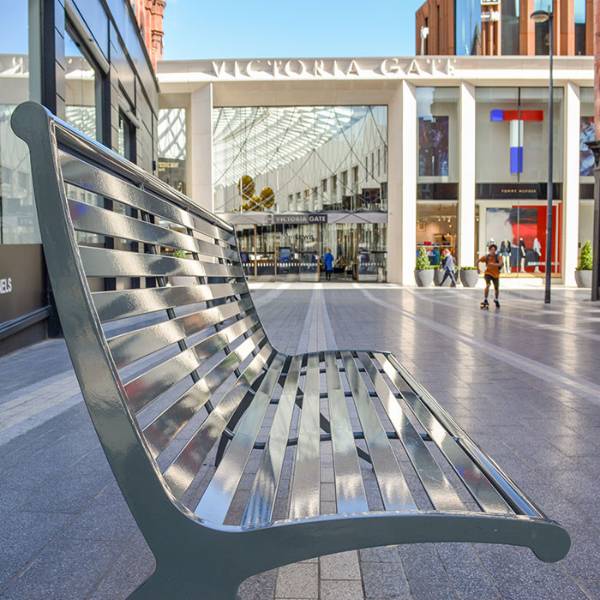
{"x":183,"y":585}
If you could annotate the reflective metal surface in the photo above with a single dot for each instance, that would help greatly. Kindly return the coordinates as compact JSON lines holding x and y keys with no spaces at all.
{"x":234,"y":375}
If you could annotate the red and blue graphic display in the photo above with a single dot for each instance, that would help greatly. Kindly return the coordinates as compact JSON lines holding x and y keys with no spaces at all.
{"x":517,"y":119}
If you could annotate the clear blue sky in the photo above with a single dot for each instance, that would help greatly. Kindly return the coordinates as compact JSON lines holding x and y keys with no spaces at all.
{"x":287,"y":28}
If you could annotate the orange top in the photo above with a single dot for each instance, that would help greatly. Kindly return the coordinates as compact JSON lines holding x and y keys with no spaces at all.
{"x":492,"y":265}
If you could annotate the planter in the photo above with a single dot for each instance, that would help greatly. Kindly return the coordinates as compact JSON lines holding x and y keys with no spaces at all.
{"x":583,"y":278}
{"x":439,"y":276}
{"x":424,"y":277}
{"x":469,"y":277}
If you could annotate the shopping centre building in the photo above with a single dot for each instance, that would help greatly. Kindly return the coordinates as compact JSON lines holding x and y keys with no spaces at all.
{"x":374,"y":158}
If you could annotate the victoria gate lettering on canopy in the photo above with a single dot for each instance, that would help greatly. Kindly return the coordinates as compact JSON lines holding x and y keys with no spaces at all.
{"x":324,"y":68}
{"x":299,"y":219}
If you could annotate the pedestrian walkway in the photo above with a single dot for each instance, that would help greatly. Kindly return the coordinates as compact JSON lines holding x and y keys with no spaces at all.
{"x":524,"y":382}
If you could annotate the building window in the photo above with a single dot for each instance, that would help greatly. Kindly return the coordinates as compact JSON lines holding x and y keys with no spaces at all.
{"x":378,"y":162}
{"x":18,"y":218}
{"x":172,"y":132}
{"x":542,"y":39}
{"x":580,"y":15}
{"x":126,"y":138}
{"x":467,"y":26}
{"x":437,"y":114}
{"x":510,"y":27}
{"x":82,"y":87}
{"x":324,"y":186}
{"x":437,"y":226}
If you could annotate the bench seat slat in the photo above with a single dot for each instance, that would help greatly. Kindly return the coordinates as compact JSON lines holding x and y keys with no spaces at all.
{"x":217,"y":497}
{"x":149,"y":385}
{"x":120,"y":304}
{"x":306,"y":482}
{"x":259,"y":509}
{"x":104,"y":262}
{"x":436,"y":484}
{"x":392,"y":484}
{"x":89,"y":177}
{"x":484,"y":493}
{"x":131,"y":346}
{"x":349,"y":487}
{"x":100,"y":221}
{"x":186,"y":465}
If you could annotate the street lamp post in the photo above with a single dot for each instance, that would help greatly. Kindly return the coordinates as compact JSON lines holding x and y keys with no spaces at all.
{"x":544,"y":16}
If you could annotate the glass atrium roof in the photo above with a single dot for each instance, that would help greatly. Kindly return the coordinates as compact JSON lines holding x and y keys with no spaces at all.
{"x":267,"y":138}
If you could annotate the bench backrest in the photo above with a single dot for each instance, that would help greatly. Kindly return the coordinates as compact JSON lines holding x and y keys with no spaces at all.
{"x":154,"y":306}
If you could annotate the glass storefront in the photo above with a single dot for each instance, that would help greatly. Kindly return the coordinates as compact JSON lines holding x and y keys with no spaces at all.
{"x":172,"y":147}
{"x":437,"y":170}
{"x":82,"y":88}
{"x":511,"y":174}
{"x":320,"y":165}
{"x":437,"y":228}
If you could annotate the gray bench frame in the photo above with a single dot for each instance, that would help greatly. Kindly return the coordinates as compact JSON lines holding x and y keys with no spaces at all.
{"x":195,"y":557}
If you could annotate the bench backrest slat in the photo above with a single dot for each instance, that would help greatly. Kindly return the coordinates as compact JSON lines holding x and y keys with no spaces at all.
{"x":161,"y":326}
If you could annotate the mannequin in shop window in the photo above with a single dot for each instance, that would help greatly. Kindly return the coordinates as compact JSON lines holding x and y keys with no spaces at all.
{"x":522,"y":254}
{"x":505,"y":253}
{"x":537,"y":248}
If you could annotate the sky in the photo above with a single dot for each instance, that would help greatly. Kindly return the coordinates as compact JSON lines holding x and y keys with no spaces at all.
{"x":287,"y":28}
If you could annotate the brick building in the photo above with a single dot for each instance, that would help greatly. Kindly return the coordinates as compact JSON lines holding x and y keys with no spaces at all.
{"x":501,"y":27}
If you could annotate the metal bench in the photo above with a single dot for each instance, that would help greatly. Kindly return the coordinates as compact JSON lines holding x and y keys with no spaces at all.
{"x":233,"y":457}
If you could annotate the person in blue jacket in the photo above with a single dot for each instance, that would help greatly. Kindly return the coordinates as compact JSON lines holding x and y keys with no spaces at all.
{"x":328,"y":263}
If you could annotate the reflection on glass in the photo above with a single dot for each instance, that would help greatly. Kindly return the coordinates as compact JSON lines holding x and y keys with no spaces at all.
{"x":510,"y":27}
{"x":18,"y":219}
{"x":276,"y":158}
{"x":587,"y":134}
{"x":468,"y":26}
{"x":80,"y":92}
{"x":437,"y":113}
{"x":512,"y":135}
{"x":580,"y":26}
{"x":433,"y":146}
{"x":172,"y":147}
{"x":518,"y":228}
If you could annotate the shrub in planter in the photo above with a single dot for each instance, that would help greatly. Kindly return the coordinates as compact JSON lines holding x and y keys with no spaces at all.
{"x":583,"y":273}
{"x":423,"y":269}
{"x":469,"y":276}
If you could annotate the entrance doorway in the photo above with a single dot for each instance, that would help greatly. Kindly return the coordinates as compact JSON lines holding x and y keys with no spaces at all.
{"x":294,"y":252}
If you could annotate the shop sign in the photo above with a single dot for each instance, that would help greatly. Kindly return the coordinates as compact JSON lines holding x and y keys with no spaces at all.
{"x":515,"y":191}
{"x":300,"y":219}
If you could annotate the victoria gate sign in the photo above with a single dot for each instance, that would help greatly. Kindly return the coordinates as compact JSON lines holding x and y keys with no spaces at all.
{"x":322,"y":68}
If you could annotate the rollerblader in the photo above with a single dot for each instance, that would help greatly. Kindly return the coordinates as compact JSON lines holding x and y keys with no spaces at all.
{"x":492,"y":275}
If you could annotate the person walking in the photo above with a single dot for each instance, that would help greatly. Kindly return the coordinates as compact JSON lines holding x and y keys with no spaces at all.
{"x":449,"y":266}
{"x":492,"y":275}
{"x":328,"y":263}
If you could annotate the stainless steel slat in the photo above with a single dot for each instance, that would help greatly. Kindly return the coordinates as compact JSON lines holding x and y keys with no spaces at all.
{"x":482,"y":490}
{"x":305,"y":491}
{"x":349,"y":487}
{"x":217,"y":497}
{"x":122,"y":304}
{"x":144,"y":388}
{"x":89,"y":177}
{"x":259,"y":509}
{"x":104,"y":262}
{"x":94,"y":219}
{"x":436,"y":484}
{"x":392,"y":484}
{"x":133,"y":345}
{"x":171,"y":421}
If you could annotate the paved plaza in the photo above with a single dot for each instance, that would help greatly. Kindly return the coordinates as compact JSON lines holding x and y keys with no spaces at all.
{"x":523,"y":382}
